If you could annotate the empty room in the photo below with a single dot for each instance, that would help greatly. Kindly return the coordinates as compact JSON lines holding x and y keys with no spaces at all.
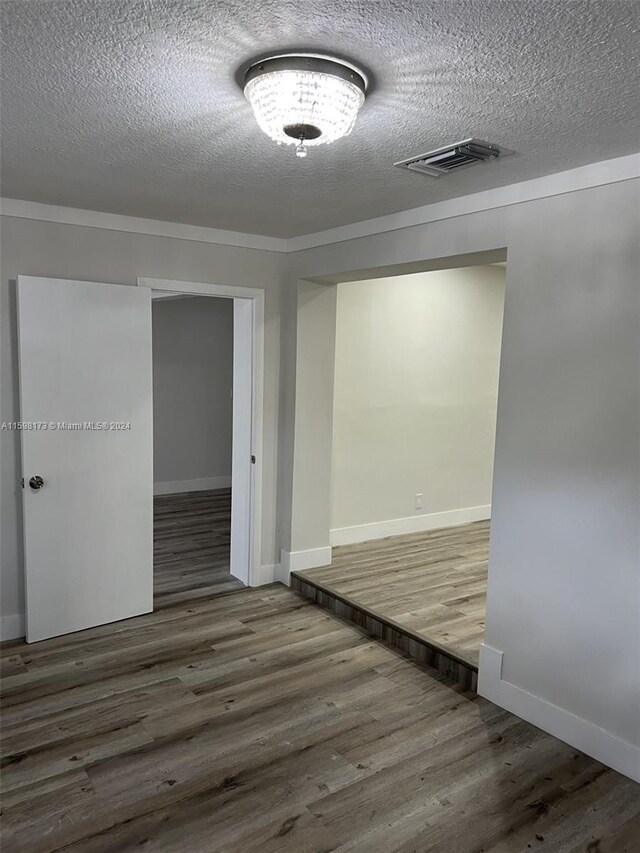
{"x":414,"y":419}
{"x":320,"y":426}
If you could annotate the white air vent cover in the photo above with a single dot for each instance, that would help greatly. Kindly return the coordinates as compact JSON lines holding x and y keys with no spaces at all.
{"x":452,"y":158}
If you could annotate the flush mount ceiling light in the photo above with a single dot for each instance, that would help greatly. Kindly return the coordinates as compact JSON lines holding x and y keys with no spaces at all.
{"x":305,"y":99}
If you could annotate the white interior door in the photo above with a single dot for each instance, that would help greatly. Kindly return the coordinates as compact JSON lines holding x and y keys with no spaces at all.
{"x":86,"y":403}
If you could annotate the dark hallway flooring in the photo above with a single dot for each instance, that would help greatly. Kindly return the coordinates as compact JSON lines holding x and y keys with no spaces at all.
{"x":191,"y":546}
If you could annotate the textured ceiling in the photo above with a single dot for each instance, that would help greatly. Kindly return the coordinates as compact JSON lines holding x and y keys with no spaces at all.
{"x":133,"y":107}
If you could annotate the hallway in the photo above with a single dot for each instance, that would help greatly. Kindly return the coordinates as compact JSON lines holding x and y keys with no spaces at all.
{"x":191,"y":533}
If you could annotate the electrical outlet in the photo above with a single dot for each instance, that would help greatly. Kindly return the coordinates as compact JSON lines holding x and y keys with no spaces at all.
{"x":418,"y":501}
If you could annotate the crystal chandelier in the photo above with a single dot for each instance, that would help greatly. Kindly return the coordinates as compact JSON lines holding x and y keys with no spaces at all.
{"x":304,"y":99}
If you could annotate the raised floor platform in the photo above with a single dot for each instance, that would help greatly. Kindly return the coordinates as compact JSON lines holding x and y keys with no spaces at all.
{"x":424,"y":593}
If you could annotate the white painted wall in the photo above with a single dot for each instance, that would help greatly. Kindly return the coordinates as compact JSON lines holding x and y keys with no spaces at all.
{"x":192,"y":393}
{"x":415,"y":398}
{"x":33,"y":247}
{"x":564,"y":579}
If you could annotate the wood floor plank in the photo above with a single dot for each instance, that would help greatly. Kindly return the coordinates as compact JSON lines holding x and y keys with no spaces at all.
{"x":67,"y":726}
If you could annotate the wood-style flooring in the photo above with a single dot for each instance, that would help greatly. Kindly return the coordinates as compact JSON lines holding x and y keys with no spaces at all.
{"x":255,"y":721}
{"x":432,"y":583}
{"x":191,"y":542}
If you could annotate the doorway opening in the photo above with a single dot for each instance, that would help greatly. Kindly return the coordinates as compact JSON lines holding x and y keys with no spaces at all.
{"x":207,"y":385}
{"x":192,"y":446}
{"x":415,"y":402}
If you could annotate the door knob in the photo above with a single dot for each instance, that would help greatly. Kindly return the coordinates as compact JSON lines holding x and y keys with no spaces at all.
{"x":36,"y":482}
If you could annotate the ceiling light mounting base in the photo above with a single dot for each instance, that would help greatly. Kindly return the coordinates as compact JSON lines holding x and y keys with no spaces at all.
{"x":302,"y":131}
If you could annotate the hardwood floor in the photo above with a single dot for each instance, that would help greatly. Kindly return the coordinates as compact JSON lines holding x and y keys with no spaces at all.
{"x":433,"y":583}
{"x":191,"y":542}
{"x":254,"y":721}
{"x":416,"y":647}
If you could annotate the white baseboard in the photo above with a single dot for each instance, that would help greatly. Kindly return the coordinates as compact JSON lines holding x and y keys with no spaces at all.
{"x":12,"y":626}
{"x":589,"y":738}
{"x":412,"y":524}
{"x":174,"y":487}
{"x":298,"y":561}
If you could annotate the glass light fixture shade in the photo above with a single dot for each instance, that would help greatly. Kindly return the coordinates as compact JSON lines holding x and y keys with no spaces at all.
{"x":305,"y":105}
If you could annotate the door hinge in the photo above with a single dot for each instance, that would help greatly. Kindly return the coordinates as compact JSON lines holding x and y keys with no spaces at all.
{"x":253,"y":459}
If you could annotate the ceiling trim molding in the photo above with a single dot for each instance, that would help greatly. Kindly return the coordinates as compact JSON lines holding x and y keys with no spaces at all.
{"x":133,"y":224}
{"x":572,"y":180}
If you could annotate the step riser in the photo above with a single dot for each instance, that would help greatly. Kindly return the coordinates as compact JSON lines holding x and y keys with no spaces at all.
{"x":415,"y":647}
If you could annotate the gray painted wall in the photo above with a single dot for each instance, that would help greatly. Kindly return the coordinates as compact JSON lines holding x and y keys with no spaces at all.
{"x":31,"y":247}
{"x":192,"y":388}
{"x":565,"y":549}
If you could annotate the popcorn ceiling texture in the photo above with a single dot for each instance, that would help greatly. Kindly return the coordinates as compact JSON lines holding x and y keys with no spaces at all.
{"x":133,"y":107}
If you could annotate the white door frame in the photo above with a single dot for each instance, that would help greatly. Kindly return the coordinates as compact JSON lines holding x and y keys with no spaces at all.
{"x":248,"y":357}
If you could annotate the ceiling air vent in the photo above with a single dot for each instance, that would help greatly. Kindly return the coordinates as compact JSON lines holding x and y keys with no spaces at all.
{"x":452,"y":158}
